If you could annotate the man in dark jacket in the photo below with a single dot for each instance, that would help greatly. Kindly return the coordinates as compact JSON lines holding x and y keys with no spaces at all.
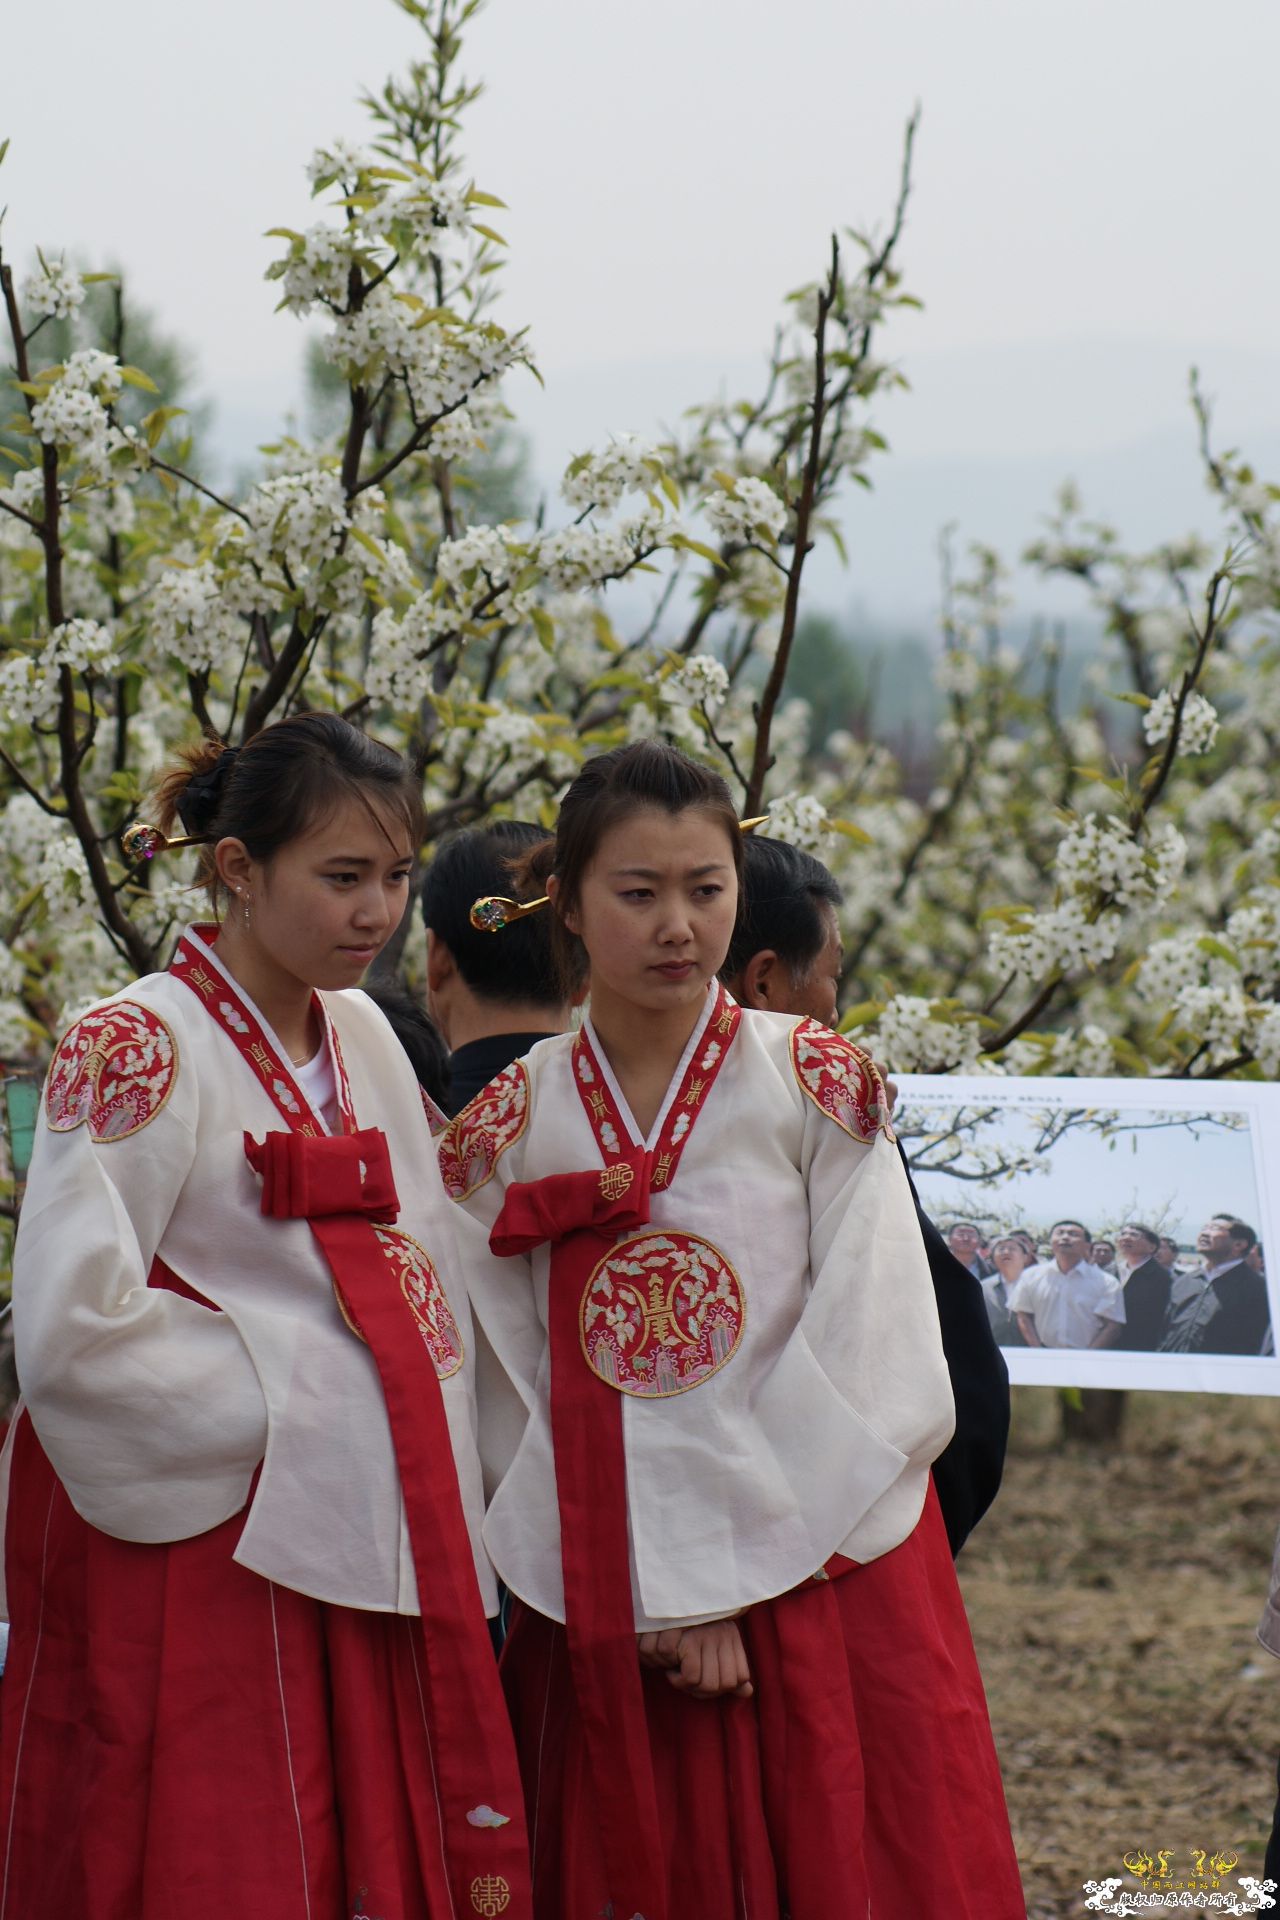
{"x":1227,"y":1311}
{"x":786,"y":958}
{"x":1146,"y":1288}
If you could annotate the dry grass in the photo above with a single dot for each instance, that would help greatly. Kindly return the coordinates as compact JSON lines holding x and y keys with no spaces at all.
{"x":1114,"y":1595}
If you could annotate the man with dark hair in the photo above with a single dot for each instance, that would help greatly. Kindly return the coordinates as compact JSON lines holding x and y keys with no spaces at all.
{"x":786,"y":958}
{"x":786,"y":946}
{"x":493,"y":996}
{"x":1066,"y":1301}
{"x":1227,"y":1312}
{"x":1145,"y":1279}
{"x":965,"y":1242}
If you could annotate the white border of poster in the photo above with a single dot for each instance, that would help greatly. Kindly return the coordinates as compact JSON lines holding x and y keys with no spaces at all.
{"x":1247,"y":1108}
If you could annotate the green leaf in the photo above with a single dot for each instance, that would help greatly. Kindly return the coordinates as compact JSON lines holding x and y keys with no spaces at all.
{"x":477,"y":199}
{"x":1134,"y":699}
{"x":858,"y":835}
{"x":545,"y":628}
{"x":488,"y":233}
{"x":135,"y":377}
{"x":683,"y":544}
{"x":1207,"y":944}
{"x":860,"y":1016}
{"x":153,"y":426}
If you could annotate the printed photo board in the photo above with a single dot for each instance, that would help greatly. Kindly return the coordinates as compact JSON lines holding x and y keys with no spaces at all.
{"x":1122,"y":1229}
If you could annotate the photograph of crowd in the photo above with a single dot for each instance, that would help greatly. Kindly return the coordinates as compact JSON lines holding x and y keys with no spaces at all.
{"x":1098,"y":1229}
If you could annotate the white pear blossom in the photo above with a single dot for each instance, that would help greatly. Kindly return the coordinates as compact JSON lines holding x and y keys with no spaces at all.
{"x":63,"y":878}
{"x":746,"y":509}
{"x":699,"y":679}
{"x":1199,"y":727}
{"x":1218,"y":1018}
{"x":455,"y":438}
{"x":72,"y":412}
{"x":627,"y":465}
{"x":916,"y":1038}
{"x":958,"y":671}
{"x":190,"y":620}
{"x":318,"y":268}
{"x":30,"y":683}
{"x":800,"y":820}
{"x":341,"y":160}
{"x":56,"y":290}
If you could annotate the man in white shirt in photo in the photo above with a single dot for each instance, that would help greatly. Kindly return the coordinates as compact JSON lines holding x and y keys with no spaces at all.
{"x":1068,"y":1301}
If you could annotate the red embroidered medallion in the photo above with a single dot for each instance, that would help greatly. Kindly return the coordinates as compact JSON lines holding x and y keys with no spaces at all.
{"x":475,"y":1139}
{"x":420,"y":1285}
{"x":115,"y":1070}
{"x":841,"y":1080}
{"x":661,"y":1313}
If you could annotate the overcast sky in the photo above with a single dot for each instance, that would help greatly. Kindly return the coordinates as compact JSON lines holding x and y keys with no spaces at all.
{"x":1094,"y":207}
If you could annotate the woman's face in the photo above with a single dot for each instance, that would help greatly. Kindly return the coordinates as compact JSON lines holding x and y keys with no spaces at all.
{"x":656,"y":908}
{"x":324,"y":906}
{"x":1010,"y":1257}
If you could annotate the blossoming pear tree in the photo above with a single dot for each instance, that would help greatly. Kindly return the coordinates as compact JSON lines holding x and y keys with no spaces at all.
{"x":1081,"y":891}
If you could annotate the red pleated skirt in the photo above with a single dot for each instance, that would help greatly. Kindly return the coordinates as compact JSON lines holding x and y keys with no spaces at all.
{"x":181,"y":1739}
{"x":859,"y":1783}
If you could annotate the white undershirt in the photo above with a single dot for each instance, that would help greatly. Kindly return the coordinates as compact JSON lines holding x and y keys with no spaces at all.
{"x":319,"y":1084}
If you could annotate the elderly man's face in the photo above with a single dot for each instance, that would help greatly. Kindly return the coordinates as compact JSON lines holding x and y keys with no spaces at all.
{"x":963,"y":1242}
{"x":1134,"y":1246}
{"x":1215,"y":1243}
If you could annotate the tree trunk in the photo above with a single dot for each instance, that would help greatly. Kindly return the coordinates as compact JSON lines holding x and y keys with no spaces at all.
{"x":1099,"y":1419}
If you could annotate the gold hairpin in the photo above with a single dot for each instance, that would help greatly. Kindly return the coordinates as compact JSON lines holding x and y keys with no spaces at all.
{"x":141,"y":842}
{"x":493,"y":911}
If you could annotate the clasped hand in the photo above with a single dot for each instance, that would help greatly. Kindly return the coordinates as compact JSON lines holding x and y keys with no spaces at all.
{"x":707,"y":1661}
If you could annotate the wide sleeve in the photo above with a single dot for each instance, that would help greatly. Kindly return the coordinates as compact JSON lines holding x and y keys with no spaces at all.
{"x":870,"y":1319}
{"x":480,"y":1153}
{"x":146,"y":1401}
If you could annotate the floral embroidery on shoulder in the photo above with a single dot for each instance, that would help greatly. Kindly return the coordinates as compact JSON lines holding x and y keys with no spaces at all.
{"x":437,"y":1118}
{"x":841,"y":1080}
{"x":475,"y":1140}
{"x":113,"y":1071}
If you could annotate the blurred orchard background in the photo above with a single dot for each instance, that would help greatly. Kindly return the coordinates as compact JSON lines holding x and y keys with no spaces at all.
{"x":886,"y":410}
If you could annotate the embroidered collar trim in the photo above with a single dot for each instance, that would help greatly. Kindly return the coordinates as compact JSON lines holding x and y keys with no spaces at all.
{"x":197,"y":965}
{"x":706,"y":1057}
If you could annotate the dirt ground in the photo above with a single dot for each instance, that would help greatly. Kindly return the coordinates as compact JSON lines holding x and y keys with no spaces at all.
{"x":1114,"y":1594}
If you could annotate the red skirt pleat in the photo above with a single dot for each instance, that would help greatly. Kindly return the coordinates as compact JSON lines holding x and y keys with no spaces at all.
{"x":179,"y":1736}
{"x":859,"y":1783}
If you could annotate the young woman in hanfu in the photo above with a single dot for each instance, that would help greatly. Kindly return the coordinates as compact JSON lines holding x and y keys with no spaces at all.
{"x":249,"y":1671}
{"x":711,"y":1386}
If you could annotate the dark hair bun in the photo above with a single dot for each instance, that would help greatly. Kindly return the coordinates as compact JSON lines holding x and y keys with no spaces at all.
{"x":200,"y":799}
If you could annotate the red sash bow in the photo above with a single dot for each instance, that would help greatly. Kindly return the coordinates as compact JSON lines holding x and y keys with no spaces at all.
{"x":581,"y":1215}
{"x":310,"y":1178}
{"x":565,"y":1203}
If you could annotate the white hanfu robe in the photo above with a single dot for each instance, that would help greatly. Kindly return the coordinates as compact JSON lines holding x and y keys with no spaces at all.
{"x":815,"y":1435}
{"x":155,"y":1413}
